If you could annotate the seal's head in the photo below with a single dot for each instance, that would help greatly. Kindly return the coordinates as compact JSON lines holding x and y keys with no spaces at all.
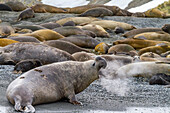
{"x":166,"y":28}
{"x":100,"y":63}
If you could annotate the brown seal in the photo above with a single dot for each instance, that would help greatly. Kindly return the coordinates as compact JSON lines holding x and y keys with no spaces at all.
{"x":24,"y":39}
{"x":120,"y":48}
{"x":43,"y":8}
{"x":16,"y":5}
{"x":134,"y":32}
{"x":4,"y":7}
{"x":43,"y":35}
{"x":50,"y":25}
{"x":64,"y":45}
{"x":5,"y":42}
{"x":73,"y":30}
{"x":139,"y":43}
{"x":83,"y":56}
{"x":97,"y":12}
{"x":28,"y":50}
{"x":77,"y":20}
{"x":155,"y":13}
{"x":38,"y":85}
{"x":159,"y":35}
{"x":110,"y":24}
{"x":102,"y":48}
{"x":26,"y":65}
{"x":98,"y":30}
{"x":82,"y":41}
{"x":27,"y":13}
{"x":6,"y":29}
{"x":166,"y":28}
{"x":155,"y":49}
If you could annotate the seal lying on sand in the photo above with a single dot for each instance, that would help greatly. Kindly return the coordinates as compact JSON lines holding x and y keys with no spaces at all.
{"x":144,"y":69}
{"x":27,"y":13}
{"x":27,"y":50}
{"x":50,"y":83}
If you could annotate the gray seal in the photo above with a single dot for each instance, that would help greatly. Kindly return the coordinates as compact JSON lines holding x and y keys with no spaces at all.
{"x":53,"y":82}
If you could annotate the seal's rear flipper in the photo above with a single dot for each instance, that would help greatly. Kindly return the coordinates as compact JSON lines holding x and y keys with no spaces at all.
{"x":17,"y":106}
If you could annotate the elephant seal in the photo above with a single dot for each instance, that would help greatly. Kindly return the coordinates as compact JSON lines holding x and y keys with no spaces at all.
{"x":69,"y":23}
{"x":50,"y":25}
{"x":155,"y":49}
{"x":81,"y":9}
{"x":82,"y":41}
{"x":4,"y":7}
{"x":149,"y":56}
{"x":66,"y":46}
{"x":120,"y":48}
{"x":77,"y":20}
{"x":71,"y":78}
{"x":160,"y":36}
{"x":83,"y":56}
{"x":23,"y":31}
{"x":118,"y":30}
{"x":5,"y":42}
{"x":97,"y":12}
{"x":139,"y":43}
{"x":143,"y":69}
{"x":31,"y":27}
{"x":138,"y":14}
{"x":165,"y":54}
{"x":16,"y":5}
{"x":134,"y":32}
{"x":102,"y":48}
{"x":27,"y":13}
{"x":73,"y":30}
{"x":6,"y":29}
{"x":28,"y":50}
{"x":160,"y":79}
{"x":166,"y":28}
{"x":43,"y":35}
{"x":26,"y":65}
{"x":98,"y":30}
{"x":110,"y":24}
{"x":43,"y":8}
{"x":24,"y":39}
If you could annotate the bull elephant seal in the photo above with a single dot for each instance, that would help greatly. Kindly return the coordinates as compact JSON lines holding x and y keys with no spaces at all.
{"x":26,"y":65}
{"x":134,"y":32}
{"x":64,"y":45}
{"x":16,"y":5}
{"x":144,"y":69}
{"x":4,"y":7}
{"x":27,"y":50}
{"x":43,"y":8}
{"x":97,"y":12}
{"x":27,"y":13}
{"x":71,"y":78}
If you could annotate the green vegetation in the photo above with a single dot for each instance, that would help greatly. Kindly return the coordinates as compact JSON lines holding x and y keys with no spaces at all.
{"x":165,"y":7}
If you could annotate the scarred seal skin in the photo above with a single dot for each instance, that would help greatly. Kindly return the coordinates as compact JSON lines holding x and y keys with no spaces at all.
{"x":50,"y":83}
{"x":27,"y":50}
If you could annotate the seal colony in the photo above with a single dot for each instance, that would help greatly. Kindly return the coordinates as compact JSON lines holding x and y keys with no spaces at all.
{"x":63,"y":57}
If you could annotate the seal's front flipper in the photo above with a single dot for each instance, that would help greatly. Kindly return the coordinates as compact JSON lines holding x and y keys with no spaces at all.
{"x":74,"y":101}
{"x":29,"y":109}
